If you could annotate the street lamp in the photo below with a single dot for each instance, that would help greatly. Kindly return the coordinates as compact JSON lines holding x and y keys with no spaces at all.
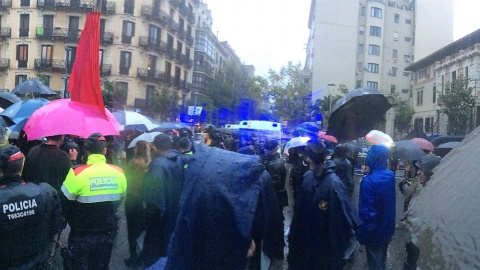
{"x":330,"y":86}
{"x":196,"y":94}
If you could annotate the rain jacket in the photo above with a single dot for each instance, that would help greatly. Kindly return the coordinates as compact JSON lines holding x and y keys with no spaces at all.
{"x":377,"y":199}
{"x":220,"y":201}
{"x":324,"y":220}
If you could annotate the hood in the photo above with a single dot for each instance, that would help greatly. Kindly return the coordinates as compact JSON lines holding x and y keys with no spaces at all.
{"x":172,"y":153}
{"x":427,"y":163}
{"x":329,"y":167}
{"x":377,"y":157}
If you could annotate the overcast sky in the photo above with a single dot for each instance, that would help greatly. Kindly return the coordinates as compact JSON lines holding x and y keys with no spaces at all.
{"x":269,"y":33}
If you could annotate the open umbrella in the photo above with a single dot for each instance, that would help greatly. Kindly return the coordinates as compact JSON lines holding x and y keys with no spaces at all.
{"x":407,"y":150}
{"x":64,"y":116}
{"x":296,"y":142}
{"x":330,"y":138}
{"x":33,"y":86}
{"x":136,"y":121}
{"x":443,"y":149}
{"x":147,"y":136}
{"x":22,"y":110}
{"x":378,"y":137}
{"x":168,"y":126}
{"x":424,"y":144}
{"x":7,"y":99}
{"x":306,"y":128}
{"x":444,"y":216}
{"x":357,"y":113}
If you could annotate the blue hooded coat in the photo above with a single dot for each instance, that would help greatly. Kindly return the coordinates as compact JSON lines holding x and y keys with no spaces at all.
{"x":377,"y":199}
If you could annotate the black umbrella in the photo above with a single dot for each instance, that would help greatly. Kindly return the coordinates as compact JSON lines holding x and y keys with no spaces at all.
{"x":444,"y":216}
{"x":443,"y":149}
{"x":357,"y":113}
{"x":33,"y":86}
{"x":407,"y":150}
{"x":7,"y":99}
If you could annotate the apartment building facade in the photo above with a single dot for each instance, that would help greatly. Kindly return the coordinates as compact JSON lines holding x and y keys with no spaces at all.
{"x":458,"y":60}
{"x":145,"y":45}
{"x":370,"y":42}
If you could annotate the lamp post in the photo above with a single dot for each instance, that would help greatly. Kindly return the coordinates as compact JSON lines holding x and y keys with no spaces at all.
{"x":330,"y":86}
{"x":196,"y":94}
{"x":68,"y":51}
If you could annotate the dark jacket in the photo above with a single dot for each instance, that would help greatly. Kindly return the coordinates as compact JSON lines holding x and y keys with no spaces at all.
{"x":219,"y":204}
{"x":46,"y":163}
{"x":344,"y":171}
{"x":29,"y":217}
{"x":275,"y":166}
{"x":162,"y":189}
{"x":324,"y":220}
{"x":377,"y":199}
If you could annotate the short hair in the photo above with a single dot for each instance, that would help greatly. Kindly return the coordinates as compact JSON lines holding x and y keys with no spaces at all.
{"x":54,"y":138}
{"x":163,"y":142}
{"x":184,"y":143}
{"x":95,"y":143}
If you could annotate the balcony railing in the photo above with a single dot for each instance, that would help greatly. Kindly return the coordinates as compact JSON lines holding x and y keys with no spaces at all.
{"x":174,"y":3}
{"x":105,"y":70}
{"x":170,"y":52}
{"x":173,"y":25}
{"x":46,"y":4}
{"x":128,"y":9}
{"x":182,"y":34}
{"x":152,"y":44}
{"x":50,"y":64}
{"x":108,"y":8}
{"x":190,"y":40}
{"x":156,"y":15}
{"x":5,"y":32}
{"x":4,"y":63}
{"x":57,"y":33}
{"x":150,"y":75}
{"x":4,"y":4}
{"x":106,"y":38}
{"x":191,"y":17}
{"x":188,"y":62}
{"x":183,"y":10}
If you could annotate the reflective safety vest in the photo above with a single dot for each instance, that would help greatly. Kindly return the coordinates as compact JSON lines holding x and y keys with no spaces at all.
{"x":95,"y":182}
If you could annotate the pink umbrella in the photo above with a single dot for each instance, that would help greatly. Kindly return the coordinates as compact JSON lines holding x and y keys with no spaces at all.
{"x":424,"y":144}
{"x":64,"y":116}
{"x":323,"y":135}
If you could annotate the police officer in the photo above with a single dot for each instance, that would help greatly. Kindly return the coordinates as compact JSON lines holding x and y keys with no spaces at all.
{"x":91,"y":195}
{"x":29,"y":215}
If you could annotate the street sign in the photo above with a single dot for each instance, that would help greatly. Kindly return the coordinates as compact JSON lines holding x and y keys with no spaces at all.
{"x":197,"y":109}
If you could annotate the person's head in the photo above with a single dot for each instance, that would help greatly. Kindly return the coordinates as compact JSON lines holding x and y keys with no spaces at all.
{"x":217,"y":138}
{"x":96,"y":144}
{"x":377,"y":157}
{"x":184,"y":144}
{"x":11,"y":160}
{"x":316,"y":154}
{"x":271,"y":147}
{"x":425,"y":167}
{"x":341,"y":151}
{"x":142,"y":150}
{"x":262,"y":141}
{"x":56,"y":140}
{"x":162,"y":142}
{"x":230,"y":144}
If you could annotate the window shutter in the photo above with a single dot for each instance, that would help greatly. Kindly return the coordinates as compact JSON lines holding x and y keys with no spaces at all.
{"x":133,"y":29}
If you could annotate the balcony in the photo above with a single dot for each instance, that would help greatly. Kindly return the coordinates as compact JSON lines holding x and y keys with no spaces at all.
{"x":4,"y":63}
{"x":170,"y":53}
{"x":105,"y":70}
{"x":183,"y":10}
{"x":190,"y":40}
{"x":106,"y":38}
{"x":182,"y":35}
{"x":152,"y":44}
{"x":173,"y":25}
{"x":188,"y":62}
{"x":174,"y":3}
{"x":57,"y":33}
{"x":191,"y":17}
{"x":5,"y":32}
{"x":150,"y":75}
{"x":50,"y":65}
{"x":108,"y":8}
{"x":156,"y":15}
{"x":128,"y":9}
{"x":179,"y":55}
{"x":5,"y":4}
{"x":46,"y":4}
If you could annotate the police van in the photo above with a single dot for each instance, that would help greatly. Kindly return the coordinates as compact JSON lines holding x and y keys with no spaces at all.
{"x":258,"y":128}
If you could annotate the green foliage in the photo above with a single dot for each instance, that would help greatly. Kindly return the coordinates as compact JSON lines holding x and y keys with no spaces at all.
{"x":326,"y":101}
{"x":44,"y":79}
{"x":403,"y":117}
{"x":287,"y":93}
{"x":342,"y":88}
{"x":165,"y":103}
{"x":459,"y":104}
{"x":107,"y":93}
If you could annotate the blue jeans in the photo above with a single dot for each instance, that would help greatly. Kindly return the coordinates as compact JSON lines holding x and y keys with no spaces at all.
{"x":377,"y":256}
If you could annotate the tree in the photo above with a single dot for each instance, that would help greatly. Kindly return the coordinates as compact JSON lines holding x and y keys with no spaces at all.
{"x":459,"y":104}
{"x":403,"y":117}
{"x":165,"y":103}
{"x":342,"y":88}
{"x":107,"y":93}
{"x":286,"y":91}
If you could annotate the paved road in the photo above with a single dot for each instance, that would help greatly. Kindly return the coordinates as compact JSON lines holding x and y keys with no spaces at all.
{"x":396,"y":252}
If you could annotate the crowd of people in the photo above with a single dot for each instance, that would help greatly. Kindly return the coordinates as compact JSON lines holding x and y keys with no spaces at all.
{"x":217,"y":204}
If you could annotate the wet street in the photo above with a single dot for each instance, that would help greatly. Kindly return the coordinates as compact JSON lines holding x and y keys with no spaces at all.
{"x":395,"y":259}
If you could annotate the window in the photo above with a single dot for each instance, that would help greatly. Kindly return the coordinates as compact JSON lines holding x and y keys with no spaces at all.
{"x":394,"y":54}
{"x":406,"y":57}
{"x":19,"y":79}
{"x":396,"y":18}
{"x":125,"y":62}
{"x":408,"y":21}
{"x":454,"y":76}
{"x":392,"y":89}
{"x":153,"y":35}
{"x":393,"y":71}
{"x":129,"y":6}
{"x":151,"y":65}
{"x":405,"y":74}
{"x":360,"y":48}
{"x":122,"y":87}
{"x":376,"y":12}
{"x":427,"y":125}
{"x":25,"y":3}
{"x":149,"y":95}
{"x":24,"y":25}
{"x":419,"y":97}
{"x":373,"y":68}
{"x":362,"y":10}
{"x":178,"y":73}
{"x":168,"y":71}
{"x":22,"y":55}
{"x":73,"y":27}
{"x":375,"y":31}
{"x":359,"y":84}
{"x":395,"y":36}
{"x":434,"y":94}
{"x":128,"y":32}
{"x":47,"y":25}
{"x":374,"y":49}
{"x":46,"y":57}
{"x":404,"y":91}
{"x":407,"y":39}
{"x":361,"y":30}
{"x":372,"y":84}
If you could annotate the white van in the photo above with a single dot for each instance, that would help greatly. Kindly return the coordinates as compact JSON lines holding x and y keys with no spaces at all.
{"x":272,"y":130}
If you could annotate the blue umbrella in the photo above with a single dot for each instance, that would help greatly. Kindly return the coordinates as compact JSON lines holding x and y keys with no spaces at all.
{"x":22,"y":110}
{"x":7,"y":99}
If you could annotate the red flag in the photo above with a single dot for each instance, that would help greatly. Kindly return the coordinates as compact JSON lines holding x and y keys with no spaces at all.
{"x":84,"y":86}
